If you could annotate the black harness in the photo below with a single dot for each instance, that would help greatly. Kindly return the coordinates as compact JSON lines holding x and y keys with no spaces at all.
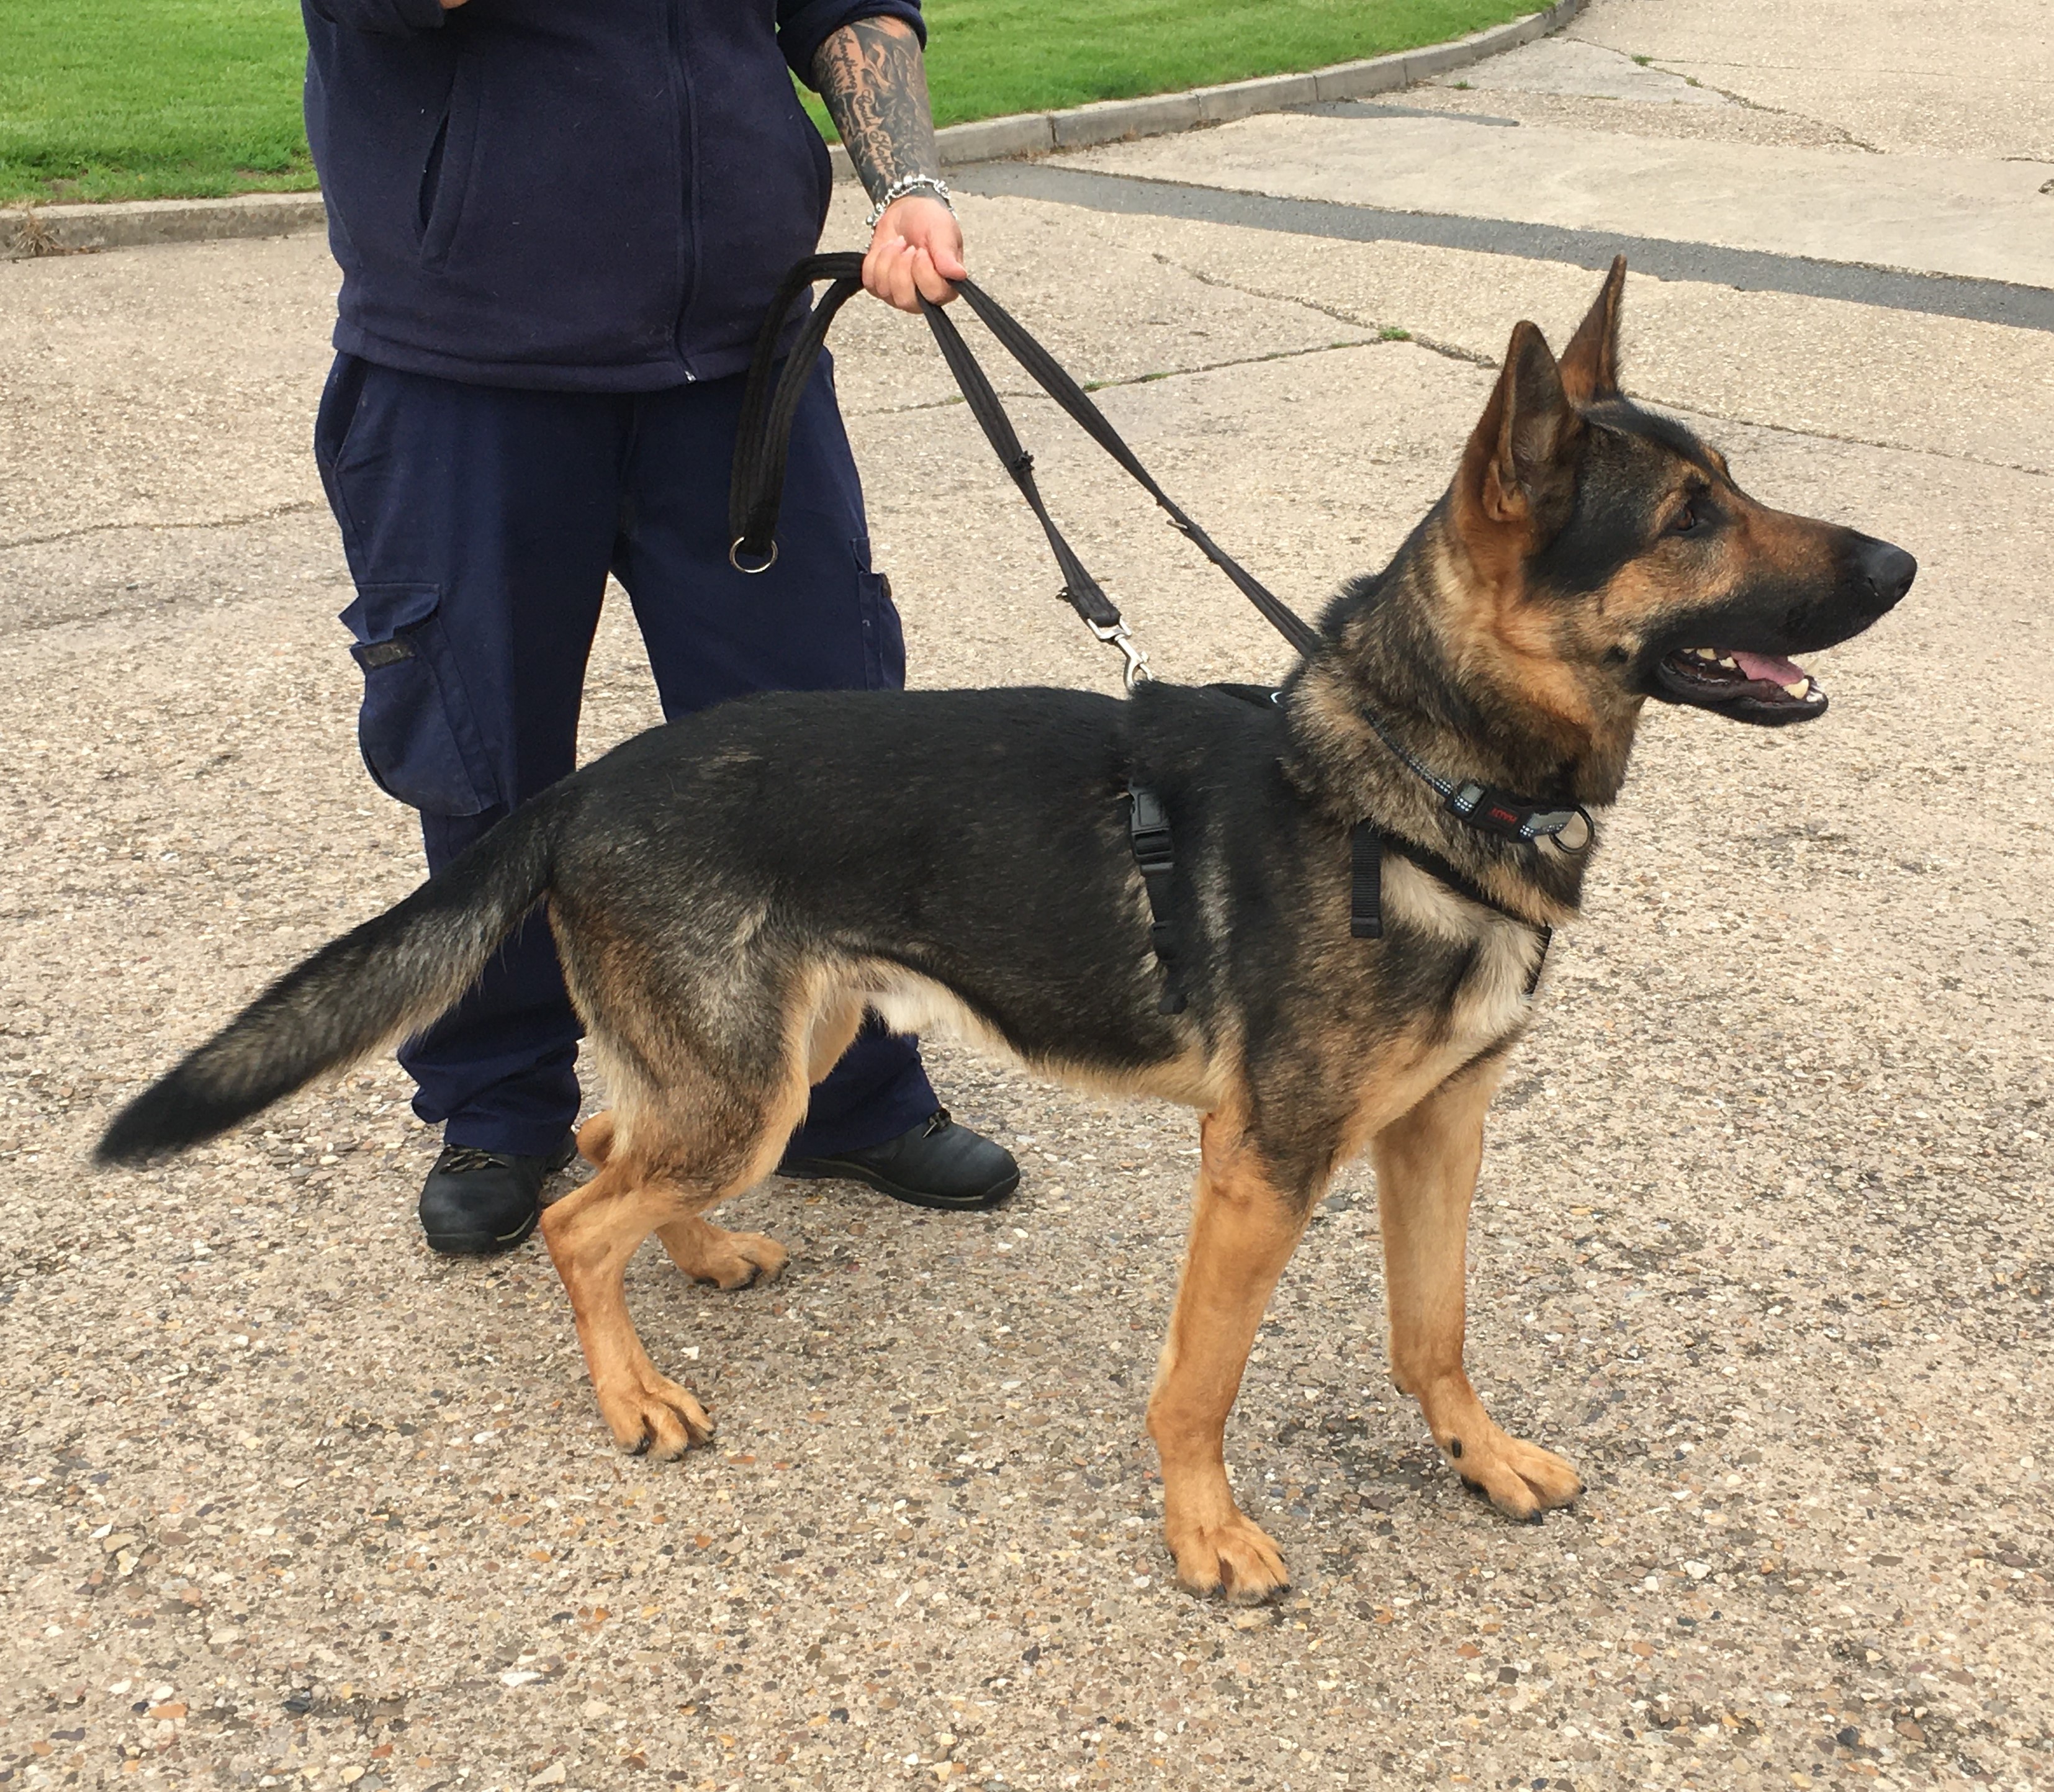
{"x":1489,"y":811}
{"x":756,"y":491}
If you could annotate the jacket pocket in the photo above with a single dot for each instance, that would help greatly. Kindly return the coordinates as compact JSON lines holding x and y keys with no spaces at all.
{"x":446,"y":176}
{"x":419,"y":740}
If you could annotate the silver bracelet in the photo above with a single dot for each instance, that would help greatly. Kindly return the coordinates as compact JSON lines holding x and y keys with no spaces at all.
{"x":900,"y":187}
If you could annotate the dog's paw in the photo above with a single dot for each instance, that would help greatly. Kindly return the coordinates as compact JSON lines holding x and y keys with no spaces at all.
{"x":651,"y":1414}
{"x":1521,"y":1479}
{"x":728,"y":1260}
{"x":1233,"y":1558}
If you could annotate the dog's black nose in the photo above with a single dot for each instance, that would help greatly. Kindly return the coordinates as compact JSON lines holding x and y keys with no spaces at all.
{"x":1888,"y":571}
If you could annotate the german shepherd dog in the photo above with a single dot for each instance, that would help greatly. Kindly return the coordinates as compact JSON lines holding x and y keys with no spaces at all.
{"x":731,"y":893}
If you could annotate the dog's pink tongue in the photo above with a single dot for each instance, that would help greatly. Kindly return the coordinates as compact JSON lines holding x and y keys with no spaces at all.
{"x":1767,"y":668}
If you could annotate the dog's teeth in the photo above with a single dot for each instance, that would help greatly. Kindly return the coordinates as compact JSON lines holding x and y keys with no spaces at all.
{"x":1706,"y":653}
{"x":1728,"y":661}
{"x":1798,"y":689}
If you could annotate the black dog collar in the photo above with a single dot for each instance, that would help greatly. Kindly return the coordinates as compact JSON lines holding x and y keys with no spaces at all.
{"x":1495,"y":812}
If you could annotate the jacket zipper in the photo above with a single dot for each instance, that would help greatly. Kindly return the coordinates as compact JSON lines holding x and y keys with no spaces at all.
{"x":688,"y":211}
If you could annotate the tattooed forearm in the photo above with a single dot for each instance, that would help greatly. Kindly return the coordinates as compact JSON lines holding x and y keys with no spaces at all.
{"x":876,"y":86}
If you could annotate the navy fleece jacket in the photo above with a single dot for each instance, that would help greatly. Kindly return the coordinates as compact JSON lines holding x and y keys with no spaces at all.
{"x":594,"y":195}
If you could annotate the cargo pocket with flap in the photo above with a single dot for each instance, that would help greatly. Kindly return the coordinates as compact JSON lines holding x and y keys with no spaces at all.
{"x":419,"y":742}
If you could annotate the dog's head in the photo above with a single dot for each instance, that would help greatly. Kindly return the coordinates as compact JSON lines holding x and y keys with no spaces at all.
{"x":1613,"y":559}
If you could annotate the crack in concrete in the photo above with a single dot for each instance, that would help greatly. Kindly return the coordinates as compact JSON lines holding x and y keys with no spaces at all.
{"x":1457,"y":352}
{"x":297,"y":508}
{"x":1752,"y":104}
{"x":2009,"y":303}
{"x":1138,"y":379}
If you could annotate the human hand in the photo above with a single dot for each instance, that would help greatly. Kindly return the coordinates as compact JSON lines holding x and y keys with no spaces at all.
{"x":915,"y":252}
{"x":451,"y":6}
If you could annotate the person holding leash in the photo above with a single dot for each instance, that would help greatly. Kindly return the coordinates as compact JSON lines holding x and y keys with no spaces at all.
{"x":559,"y":227}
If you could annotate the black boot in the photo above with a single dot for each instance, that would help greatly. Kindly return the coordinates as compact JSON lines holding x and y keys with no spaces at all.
{"x":478,"y":1204}
{"x":936,"y":1164}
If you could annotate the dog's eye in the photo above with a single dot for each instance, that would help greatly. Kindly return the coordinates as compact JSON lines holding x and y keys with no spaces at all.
{"x":1686,"y":520}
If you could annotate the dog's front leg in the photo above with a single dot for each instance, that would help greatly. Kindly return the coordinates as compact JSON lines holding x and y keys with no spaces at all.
{"x":1426,"y":1168}
{"x":1243,"y":1232}
{"x":591,"y":1232}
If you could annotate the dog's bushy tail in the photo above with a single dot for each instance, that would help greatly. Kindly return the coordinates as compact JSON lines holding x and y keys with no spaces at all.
{"x":376,"y":984}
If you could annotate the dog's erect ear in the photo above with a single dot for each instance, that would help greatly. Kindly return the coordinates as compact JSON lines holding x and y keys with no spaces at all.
{"x":1590,"y":364}
{"x":1519,"y":469}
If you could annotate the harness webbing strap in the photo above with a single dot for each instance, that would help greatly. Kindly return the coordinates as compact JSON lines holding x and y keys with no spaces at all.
{"x":1365,"y":881}
{"x":1154,"y":852}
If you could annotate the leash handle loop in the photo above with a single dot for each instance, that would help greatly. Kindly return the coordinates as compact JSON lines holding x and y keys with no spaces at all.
{"x":769,"y":401}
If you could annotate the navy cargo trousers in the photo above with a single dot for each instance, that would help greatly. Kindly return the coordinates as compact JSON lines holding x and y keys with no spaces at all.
{"x":480,"y":524}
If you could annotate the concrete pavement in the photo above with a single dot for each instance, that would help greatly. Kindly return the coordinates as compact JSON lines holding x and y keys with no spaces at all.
{"x":1763,"y":1241}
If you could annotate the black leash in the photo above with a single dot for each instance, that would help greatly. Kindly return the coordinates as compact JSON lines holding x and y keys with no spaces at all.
{"x":768,"y":405}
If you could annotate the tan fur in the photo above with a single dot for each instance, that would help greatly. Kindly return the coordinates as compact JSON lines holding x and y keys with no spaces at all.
{"x":1426,"y":1162}
{"x":908,"y":1002}
{"x":1243,"y":1231}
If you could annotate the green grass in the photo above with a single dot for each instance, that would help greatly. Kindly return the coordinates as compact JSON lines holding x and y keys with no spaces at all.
{"x":157,"y":99}
{"x":150,"y":99}
{"x":991,"y":57}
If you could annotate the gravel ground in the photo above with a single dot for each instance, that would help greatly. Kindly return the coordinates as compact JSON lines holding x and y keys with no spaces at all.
{"x":1763,"y":1241}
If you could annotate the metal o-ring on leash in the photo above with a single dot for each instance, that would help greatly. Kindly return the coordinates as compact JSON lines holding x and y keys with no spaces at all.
{"x":734,"y":556}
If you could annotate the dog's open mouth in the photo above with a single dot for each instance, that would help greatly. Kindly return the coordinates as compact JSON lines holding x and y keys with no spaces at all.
{"x":1751,"y":686}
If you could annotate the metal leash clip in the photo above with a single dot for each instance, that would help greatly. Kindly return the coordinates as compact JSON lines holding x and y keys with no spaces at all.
{"x":1136,"y":670}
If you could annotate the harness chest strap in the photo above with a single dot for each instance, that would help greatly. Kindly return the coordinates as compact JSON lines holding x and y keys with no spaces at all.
{"x":1154,"y":855}
{"x":1366,"y":846}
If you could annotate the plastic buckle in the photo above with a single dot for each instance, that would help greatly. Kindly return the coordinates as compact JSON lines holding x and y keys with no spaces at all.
{"x":1488,"y":811}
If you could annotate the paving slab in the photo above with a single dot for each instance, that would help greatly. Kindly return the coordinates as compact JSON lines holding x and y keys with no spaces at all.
{"x":1571,"y":66}
{"x":1899,"y":76}
{"x":175,"y":387}
{"x":1953,"y":386}
{"x":1983,"y":219}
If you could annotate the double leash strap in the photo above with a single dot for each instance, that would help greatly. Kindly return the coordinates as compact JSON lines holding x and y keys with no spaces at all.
{"x":756,"y":489}
{"x":760,"y":446}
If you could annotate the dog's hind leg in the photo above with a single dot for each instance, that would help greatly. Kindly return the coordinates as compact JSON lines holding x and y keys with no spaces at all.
{"x":726,"y":1259}
{"x":1243,"y":1231}
{"x":591,"y":1232}
{"x":595,"y":1139}
{"x":704,"y":1252}
{"x":1426,"y":1165}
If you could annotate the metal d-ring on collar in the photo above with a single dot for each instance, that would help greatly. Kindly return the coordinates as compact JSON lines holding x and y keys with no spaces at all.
{"x":1492,"y":812}
{"x":734,"y":556}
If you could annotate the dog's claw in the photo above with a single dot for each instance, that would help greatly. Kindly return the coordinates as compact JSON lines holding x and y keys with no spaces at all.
{"x":654,"y":1416}
{"x":1234,"y":1560}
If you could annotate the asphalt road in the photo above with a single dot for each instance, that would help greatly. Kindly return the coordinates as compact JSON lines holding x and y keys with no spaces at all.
{"x":1764,"y":1242}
